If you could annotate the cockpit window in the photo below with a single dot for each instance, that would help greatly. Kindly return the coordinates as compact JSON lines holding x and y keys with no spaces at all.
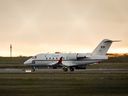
{"x":34,"y":57}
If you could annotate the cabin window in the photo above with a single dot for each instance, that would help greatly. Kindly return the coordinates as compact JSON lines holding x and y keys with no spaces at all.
{"x":49,"y":57}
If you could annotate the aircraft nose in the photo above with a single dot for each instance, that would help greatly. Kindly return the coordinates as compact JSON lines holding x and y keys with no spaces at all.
{"x":29,"y":61}
{"x":26,"y":62}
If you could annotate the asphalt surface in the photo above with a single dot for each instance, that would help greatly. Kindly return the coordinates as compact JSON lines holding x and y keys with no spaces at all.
{"x":86,"y":71}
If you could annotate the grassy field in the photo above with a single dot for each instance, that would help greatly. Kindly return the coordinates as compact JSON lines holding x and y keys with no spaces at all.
{"x":108,"y":66}
{"x":64,"y":84}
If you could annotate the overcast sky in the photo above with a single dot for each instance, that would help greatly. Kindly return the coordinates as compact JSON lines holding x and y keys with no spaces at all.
{"x":34,"y":26}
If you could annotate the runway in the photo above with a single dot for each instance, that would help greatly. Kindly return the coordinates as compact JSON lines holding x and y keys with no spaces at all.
{"x":86,"y":71}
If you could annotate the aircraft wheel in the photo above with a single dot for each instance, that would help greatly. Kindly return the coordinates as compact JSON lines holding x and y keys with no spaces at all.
{"x":33,"y":69}
{"x":71,"y":69}
{"x":65,"y":69}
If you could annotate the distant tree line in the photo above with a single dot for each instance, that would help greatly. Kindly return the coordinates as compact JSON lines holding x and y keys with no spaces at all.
{"x":113,"y":58}
{"x":13,"y":60}
{"x":117,"y":58}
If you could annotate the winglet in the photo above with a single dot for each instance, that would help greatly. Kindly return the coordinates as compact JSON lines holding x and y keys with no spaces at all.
{"x":60,"y":60}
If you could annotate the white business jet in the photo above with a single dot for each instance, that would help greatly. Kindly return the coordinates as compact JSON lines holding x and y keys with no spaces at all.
{"x":70,"y":61}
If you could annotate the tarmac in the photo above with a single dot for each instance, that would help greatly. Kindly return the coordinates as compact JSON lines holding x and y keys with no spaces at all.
{"x":86,"y":71}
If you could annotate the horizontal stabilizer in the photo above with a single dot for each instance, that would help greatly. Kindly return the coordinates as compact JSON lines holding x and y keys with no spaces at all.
{"x":116,"y":40}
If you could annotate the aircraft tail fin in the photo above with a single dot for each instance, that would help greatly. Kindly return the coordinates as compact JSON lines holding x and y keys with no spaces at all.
{"x":103,"y":47}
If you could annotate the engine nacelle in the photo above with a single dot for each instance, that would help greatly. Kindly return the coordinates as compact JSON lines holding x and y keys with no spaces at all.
{"x":75,"y":56}
{"x":72,"y":56}
{"x":80,"y":56}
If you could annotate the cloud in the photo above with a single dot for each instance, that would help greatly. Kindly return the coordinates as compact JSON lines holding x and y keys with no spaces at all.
{"x":47,"y":24}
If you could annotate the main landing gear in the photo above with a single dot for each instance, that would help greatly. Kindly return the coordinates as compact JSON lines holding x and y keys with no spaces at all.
{"x":71,"y":69}
{"x":66,"y":69}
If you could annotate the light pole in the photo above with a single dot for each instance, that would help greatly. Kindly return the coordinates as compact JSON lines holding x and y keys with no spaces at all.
{"x":10,"y":50}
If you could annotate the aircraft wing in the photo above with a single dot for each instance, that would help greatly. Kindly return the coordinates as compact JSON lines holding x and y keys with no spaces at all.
{"x":56,"y":63}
